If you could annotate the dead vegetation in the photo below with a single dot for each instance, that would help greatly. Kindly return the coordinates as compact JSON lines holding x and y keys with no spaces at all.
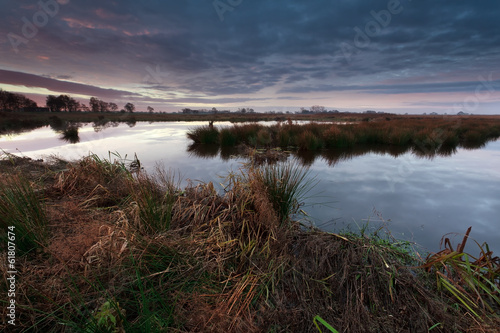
{"x":127,"y":251}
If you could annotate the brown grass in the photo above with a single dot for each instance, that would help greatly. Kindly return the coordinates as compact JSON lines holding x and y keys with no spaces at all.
{"x":428,"y":135}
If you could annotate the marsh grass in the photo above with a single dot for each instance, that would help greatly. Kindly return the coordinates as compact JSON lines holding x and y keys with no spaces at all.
{"x":204,"y":134}
{"x":22,"y":207}
{"x":227,"y":137}
{"x":215,"y":261}
{"x":474,"y":282}
{"x":286,"y":184}
{"x":427,"y":135}
{"x":153,"y":199}
{"x":102,"y":181}
{"x":308,"y":140}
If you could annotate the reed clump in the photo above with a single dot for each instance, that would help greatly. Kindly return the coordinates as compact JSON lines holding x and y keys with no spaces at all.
{"x":474,"y":282}
{"x":22,"y":215}
{"x":129,"y":251}
{"x":204,"y":134}
{"x":424,"y":134}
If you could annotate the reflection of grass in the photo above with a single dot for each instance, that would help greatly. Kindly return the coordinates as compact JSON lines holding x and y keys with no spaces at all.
{"x":131,"y":252}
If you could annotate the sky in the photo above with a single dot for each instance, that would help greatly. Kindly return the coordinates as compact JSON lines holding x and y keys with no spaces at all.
{"x":349,"y":55}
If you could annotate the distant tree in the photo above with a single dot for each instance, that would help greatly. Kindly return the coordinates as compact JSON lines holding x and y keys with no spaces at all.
{"x":14,"y":102}
{"x":150,"y":109}
{"x":214,"y":110}
{"x":129,"y":107}
{"x":62,"y":102}
{"x":84,"y":108}
{"x":103,"y":106}
{"x":72,"y":105}
{"x":54,"y":103}
{"x":94,"y":104}
{"x":318,"y":108}
{"x":113,"y":107}
{"x":3,"y":99}
{"x":24,"y":102}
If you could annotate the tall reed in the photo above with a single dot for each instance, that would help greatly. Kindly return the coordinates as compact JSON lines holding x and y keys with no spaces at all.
{"x":22,"y":211}
{"x":424,"y":134}
{"x":204,"y":134}
{"x":154,"y":199}
{"x":287,"y":185}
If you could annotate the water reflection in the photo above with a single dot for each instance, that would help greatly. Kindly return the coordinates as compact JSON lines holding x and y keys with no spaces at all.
{"x":68,"y":130}
{"x":70,"y":134}
{"x":308,"y":157}
{"x":203,"y":151}
{"x":103,"y":123}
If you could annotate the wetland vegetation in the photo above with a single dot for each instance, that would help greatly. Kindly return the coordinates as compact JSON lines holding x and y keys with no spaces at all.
{"x":419,"y":133}
{"x":112,"y":248}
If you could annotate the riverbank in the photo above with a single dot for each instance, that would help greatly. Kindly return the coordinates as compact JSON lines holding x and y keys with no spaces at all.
{"x":116,"y":249}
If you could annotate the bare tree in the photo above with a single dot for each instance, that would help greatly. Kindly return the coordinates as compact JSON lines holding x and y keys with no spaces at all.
{"x":129,"y":107}
{"x":113,"y":107}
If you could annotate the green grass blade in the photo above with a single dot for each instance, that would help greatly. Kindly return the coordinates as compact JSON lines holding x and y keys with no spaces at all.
{"x":317,"y":319}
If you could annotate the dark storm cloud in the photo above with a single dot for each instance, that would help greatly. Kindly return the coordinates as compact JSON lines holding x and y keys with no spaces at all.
{"x":469,"y":86}
{"x":294,"y":45}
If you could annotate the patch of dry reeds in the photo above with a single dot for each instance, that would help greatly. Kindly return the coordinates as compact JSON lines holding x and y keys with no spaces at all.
{"x":424,"y":134}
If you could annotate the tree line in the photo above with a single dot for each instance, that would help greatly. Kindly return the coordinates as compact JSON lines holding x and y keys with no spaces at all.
{"x":18,"y":102}
{"x":11,"y":101}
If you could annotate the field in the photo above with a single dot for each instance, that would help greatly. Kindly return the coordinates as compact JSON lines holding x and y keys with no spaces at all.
{"x":102,"y":246}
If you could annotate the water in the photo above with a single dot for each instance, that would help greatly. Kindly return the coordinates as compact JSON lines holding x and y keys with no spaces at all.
{"x":418,"y":198}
